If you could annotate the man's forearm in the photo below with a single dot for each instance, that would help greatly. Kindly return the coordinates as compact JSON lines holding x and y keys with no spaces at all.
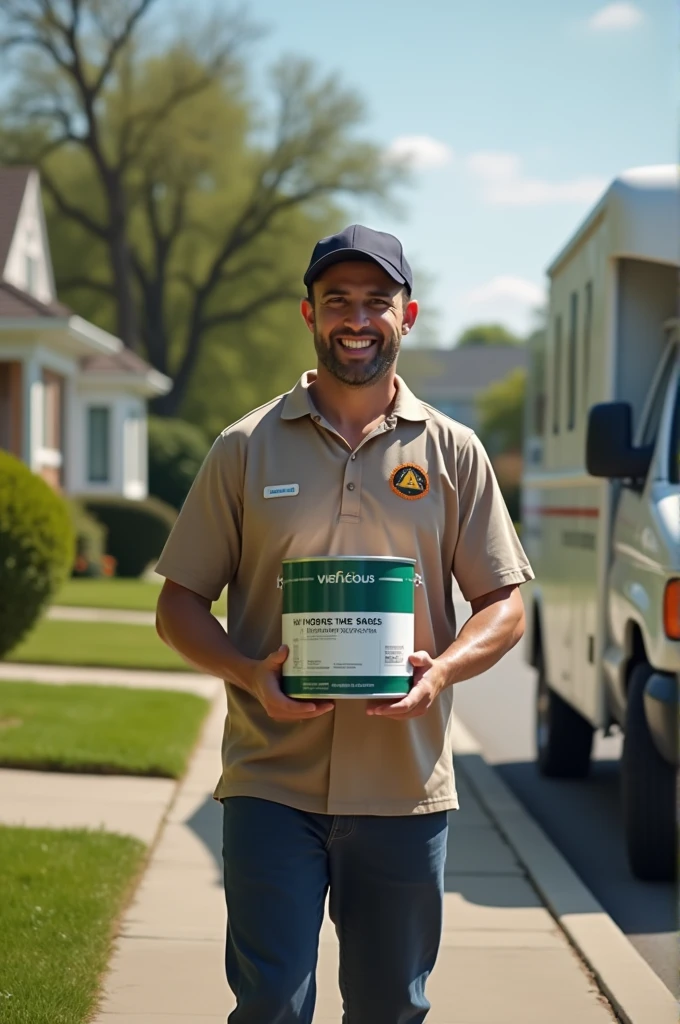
{"x":484,"y":639}
{"x":185,"y":623}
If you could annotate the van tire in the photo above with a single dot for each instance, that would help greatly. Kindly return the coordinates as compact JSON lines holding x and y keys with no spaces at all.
{"x":647,"y":792}
{"x":564,"y":739}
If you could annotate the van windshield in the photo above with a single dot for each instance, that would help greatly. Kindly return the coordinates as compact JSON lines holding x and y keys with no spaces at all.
{"x":674,"y":474}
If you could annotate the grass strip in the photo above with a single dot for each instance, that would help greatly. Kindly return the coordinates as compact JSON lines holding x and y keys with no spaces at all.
{"x":128,"y":595}
{"x":61,"y":895}
{"x":118,"y":594}
{"x":97,"y":645}
{"x":98,"y":729}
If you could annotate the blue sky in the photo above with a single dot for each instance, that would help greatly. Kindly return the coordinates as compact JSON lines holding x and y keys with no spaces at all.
{"x":516,"y":116}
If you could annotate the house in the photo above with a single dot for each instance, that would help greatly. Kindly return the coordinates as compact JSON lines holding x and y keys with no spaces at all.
{"x":73,"y":398}
{"x":452,"y":379}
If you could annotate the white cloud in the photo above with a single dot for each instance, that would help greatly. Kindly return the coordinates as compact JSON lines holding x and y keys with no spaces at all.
{"x":422,"y":152}
{"x":616,"y":17}
{"x":493,"y":166}
{"x":507,"y":300}
{"x":504,"y":184}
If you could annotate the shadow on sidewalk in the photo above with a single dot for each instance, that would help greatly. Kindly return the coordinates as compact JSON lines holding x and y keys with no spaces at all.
{"x":206,"y":824}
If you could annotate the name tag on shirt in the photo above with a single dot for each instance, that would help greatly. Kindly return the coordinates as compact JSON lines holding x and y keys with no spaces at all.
{"x":282,"y":491}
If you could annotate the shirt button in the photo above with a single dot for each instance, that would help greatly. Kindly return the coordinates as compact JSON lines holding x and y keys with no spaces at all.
{"x":350,"y":487}
{"x":353,"y":457}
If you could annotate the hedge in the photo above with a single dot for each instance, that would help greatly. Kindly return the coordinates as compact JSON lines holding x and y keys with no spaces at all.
{"x":137,"y":530}
{"x":90,"y":542}
{"x":36,"y":548}
{"x":176,"y":452}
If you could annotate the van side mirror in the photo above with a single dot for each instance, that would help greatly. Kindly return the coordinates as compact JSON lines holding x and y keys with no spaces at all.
{"x":609,"y":447}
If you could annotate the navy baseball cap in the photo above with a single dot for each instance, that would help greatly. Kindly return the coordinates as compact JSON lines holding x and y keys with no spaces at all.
{"x":360,"y":243}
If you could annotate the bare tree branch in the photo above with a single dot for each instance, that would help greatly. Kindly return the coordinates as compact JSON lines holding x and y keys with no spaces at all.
{"x":118,"y":44}
{"x":75,"y":213}
{"x":70,"y":283}
{"x":263,"y":300}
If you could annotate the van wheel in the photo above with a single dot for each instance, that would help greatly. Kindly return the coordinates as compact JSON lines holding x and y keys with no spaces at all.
{"x":564,"y":739}
{"x":648,"y":792}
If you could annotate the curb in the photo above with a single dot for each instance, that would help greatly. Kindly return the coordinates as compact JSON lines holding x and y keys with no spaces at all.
{"x":635,"y":992}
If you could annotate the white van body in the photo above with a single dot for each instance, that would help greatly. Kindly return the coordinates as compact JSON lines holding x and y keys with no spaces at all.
{"x":604,"y":550}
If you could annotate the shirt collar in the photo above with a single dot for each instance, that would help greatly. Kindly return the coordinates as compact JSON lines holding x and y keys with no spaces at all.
{"x":298,"y":402}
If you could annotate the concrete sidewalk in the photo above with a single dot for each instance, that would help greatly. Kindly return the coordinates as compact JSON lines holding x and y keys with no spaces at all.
{"x":66,"y":613}
{"x":503,"y":960}
{"x":78,"y":675}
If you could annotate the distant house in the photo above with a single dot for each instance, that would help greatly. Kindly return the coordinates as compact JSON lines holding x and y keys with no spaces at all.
{"x":452,"y":379}
{"x":73,"y":398}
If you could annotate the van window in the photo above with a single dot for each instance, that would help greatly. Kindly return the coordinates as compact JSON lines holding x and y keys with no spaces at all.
{"x":651,"y":427}
{"x":571,"y":367}
{"x":587,"y":332}
{"x":674,"y":469}
{"x":557,"y":374}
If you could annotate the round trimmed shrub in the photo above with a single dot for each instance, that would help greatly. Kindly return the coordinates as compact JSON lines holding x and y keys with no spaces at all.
{"x":137,"y":530}
{"x":176,"y":452}
{"x":36,"y":548}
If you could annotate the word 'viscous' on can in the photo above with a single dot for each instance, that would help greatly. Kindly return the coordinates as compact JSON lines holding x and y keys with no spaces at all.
{"x":349,"y":626}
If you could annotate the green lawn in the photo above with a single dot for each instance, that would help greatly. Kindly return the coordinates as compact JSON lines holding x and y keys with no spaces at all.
{"x":97,"y":644}
{"x":107,"y":729}
{"x":61,"y":895}
{"x":130,"y":595}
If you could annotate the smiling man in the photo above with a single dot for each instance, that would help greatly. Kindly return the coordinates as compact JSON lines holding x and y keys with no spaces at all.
{"x":349,"y":798}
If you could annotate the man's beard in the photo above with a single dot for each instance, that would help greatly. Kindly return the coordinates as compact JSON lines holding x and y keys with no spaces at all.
{"x":357,"y":374}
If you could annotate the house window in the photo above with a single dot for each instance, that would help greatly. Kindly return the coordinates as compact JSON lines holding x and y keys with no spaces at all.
{"x":557,"y":374}
{"x":53,"y":406}
{"x":571,"y":369}
{"x":99,"y":444}
{"x":133,"y":441}
{"x":587,"y":332}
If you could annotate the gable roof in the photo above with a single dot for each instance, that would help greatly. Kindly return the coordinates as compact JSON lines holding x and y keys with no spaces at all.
{"x":112,"y":368}
{"x":13,"y":182}
{"x":125,"y":361}
{"x":16,"y":303}
{"x":439,"y":372}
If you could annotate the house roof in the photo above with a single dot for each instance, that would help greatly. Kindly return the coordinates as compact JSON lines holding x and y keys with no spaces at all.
{"x":125,"y":361}
{"x":13,"y":181}
{"x":468,"y":369}
{"x":16,"y":303}
{"x":113,"y":368}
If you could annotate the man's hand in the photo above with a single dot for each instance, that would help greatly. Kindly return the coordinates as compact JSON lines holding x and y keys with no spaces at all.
{"x":428,"y":681}
{"x":264,"y":682}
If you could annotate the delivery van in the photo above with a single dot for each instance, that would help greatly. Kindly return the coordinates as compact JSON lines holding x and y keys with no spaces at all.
{"x":601,"y":506}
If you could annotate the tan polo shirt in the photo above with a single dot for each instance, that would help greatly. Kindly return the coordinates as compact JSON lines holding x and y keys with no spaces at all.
{"x":448,"y":515}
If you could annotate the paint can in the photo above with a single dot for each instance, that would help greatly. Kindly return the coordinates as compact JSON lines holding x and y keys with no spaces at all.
{"x":349,"y":625}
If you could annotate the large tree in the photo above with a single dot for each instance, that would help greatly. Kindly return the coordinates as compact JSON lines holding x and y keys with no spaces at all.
{"x":175,"y":202}
{"x":501,"y":413}
{"x":487,"y":334}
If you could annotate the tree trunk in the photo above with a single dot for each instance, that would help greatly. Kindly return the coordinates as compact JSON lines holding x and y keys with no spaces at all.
{"x":170,"y":404}
{"x":121,"y":264}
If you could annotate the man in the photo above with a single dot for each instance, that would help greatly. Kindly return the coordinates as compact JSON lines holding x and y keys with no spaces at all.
{"x":347,"y":798}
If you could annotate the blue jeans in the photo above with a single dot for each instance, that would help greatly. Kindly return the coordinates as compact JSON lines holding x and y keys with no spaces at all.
{"x":385,"y":876}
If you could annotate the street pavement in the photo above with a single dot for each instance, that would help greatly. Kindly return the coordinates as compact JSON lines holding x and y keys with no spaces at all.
{"x":581,"y":817}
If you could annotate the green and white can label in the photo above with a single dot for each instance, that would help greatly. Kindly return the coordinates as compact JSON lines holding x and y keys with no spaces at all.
{"x":349,"y":625}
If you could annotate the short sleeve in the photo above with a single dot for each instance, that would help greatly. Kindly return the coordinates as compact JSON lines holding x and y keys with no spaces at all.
{"x":488,"y":554}
{"x":203,"y":550}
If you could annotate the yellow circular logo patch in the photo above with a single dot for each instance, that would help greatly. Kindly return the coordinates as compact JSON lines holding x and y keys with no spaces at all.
{"x":410,"y":481}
